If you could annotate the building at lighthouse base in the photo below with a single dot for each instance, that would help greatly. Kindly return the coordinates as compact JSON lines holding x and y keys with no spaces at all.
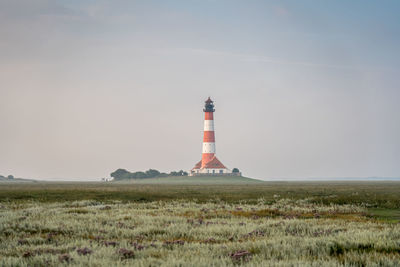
{"x":212,"y":167}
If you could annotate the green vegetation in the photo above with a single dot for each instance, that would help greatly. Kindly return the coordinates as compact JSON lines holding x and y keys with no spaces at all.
{"x":235,"y":170}
{"x":9,"y":177}
{"x":389,"y":215}
{"x":196,"y":180}
{"x":369,"y":194}
{"x":215,"y":223}
{"x":122,"y":174}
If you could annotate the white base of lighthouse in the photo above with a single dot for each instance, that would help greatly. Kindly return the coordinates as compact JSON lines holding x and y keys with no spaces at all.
{"x":194,"y":172}
{"x":212,"y":168}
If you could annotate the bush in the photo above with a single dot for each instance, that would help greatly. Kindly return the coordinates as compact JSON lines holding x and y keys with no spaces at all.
{"x":179,"y":173}
{"x":122,"y":174}
{"x":152,"y":173}
{"x":10,"y":177}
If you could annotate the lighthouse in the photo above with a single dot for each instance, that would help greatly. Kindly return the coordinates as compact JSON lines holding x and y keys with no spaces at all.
{"x":209,"y":164}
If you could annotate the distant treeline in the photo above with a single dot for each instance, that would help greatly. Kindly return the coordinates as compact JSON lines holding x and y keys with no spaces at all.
{"x":10,"y":177}
{"x":122,"y":174}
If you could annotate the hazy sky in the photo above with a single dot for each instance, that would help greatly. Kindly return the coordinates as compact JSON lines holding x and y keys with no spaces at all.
{"x":301,"y":88}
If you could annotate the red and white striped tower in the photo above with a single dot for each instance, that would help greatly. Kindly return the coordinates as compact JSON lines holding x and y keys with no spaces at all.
{"x":209,"y":163}
{"x":209,"y":136}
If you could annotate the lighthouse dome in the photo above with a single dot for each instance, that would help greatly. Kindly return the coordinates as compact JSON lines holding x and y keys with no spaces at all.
{"x":209,"y":105}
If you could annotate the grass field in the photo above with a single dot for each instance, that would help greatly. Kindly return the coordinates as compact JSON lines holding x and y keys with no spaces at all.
{"x":200,"y":223}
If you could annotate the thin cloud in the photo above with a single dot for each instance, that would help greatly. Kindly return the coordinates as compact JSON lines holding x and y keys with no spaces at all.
{"x":263,"y":59}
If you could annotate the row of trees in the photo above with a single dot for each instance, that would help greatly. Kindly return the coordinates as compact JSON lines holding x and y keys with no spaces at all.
{"x":122,"y":174}
{"x":10,"y":177}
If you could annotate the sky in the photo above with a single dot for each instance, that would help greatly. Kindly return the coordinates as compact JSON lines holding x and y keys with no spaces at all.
{"x":302,"y":89}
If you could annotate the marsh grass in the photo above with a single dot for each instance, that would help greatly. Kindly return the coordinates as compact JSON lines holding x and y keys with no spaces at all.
{"x":272,"y":224}
{"x":370,"y":194}
{"x":186,"y":233}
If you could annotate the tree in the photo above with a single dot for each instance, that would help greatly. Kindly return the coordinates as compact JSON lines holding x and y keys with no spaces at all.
{"x":182,"y":173}
{"x":152,"y":173}
{"x":235,"y":170}
{"x":120,"y":174}
{"x":10,"y":177}
{"x":138,"y":175}
{"x":179,"y":173}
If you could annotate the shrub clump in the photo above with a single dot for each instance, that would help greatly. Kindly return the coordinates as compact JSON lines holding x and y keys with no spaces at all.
{"x":65,"y":258}
{"x":240,"y":255}
{"x":126,"y":253}
{"x":84,"y":251}
{"x":27,"y":254}
{"x":174,"y":242}
{"x":137,"y":246}
{"x":110,"y":243}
